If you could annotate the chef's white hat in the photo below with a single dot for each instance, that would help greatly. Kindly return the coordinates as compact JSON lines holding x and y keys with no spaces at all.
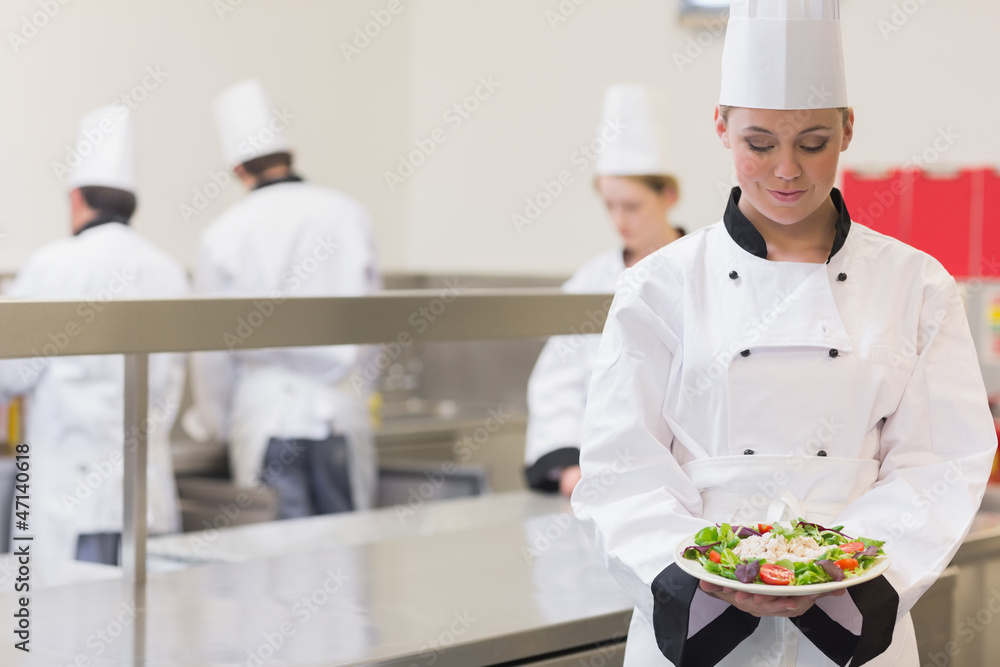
{"x":635,"y":132}
{"x":784,"y":54}
{"x":106,"y":146}
{"x":249,"y":127}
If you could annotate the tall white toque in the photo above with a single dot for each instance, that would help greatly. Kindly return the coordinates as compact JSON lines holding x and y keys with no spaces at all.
{"x":248,"y":125}
{"x":635,"y":130}
{"x":106,"y":144}
{"x":784,"y":54}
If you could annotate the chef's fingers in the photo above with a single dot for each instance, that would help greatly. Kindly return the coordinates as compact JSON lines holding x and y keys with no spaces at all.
{"x":785,"y":607}
{"x":765,"y":601}
{"x":836,"y":593}
{"x":710,"y":588}
{"x":792,"y":609}
{"x":762,"y":605}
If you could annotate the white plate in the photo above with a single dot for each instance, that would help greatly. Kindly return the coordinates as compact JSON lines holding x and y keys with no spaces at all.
{"x":695,"y":569}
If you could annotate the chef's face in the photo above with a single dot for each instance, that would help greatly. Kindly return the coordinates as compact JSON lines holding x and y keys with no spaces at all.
{"x":786,"y":161}
{"x":638,"y":212}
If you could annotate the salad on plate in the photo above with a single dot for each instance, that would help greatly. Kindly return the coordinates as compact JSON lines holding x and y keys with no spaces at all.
{"x":798,"y":553}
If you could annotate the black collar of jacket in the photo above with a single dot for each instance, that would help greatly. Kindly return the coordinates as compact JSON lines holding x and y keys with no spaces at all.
{"x":747,"y":237}
{"x":291,"y":178}
{"x":101,"y":220}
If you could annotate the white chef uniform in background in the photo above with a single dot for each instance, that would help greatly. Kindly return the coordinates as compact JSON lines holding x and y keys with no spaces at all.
{"x":557,"y":390}
{"x":733,"y":388}
{"x":286,"y":238}
{"x":74,"y":422}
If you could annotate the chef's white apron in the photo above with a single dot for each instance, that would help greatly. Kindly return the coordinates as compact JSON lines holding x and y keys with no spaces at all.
{"x":752,"y":489}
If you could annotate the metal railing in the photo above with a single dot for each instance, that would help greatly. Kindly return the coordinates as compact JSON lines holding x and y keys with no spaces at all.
{"x":138,"y":328}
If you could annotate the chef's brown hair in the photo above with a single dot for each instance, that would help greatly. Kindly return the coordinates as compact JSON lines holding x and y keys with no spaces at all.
{"x":109,"y":201}
{"x":258,"y":166}
{"x":656,"y":182}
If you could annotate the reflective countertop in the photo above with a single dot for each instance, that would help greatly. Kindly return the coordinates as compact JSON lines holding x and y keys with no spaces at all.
{"x":240,"y":543}
{"x":457,"y":583}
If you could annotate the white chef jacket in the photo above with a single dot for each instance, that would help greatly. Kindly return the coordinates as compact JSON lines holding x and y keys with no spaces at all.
{"x":712,"y":354}
{"x":74,"y":423}
{"x":286,"y":239}
{"x":557,"y":388}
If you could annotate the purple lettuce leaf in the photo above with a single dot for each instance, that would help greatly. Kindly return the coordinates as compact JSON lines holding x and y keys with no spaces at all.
{"x":822,"y":529}
{"x":831,"y":569}
{"x":747,"y":572}
{"x":744,"y":531}
{"x":870,"y":551}
{"x":702,"y":550}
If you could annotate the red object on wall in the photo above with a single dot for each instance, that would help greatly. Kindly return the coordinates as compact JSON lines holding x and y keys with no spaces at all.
{"x":942,"y":219}
{"x":955,"y":218}
{"x":988,"y":254}
{"x":879,"y":201}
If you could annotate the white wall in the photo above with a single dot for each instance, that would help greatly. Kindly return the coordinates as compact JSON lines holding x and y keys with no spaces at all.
{"x":938,"y":71}
{"x":554,"y":75}
{"x":355,"y":119}
{"x":349,"y":117}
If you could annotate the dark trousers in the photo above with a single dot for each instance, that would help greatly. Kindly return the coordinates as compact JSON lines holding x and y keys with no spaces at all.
{"x":98,"y":547}
{"x":104,"y":548}
{"x":310,"y":476}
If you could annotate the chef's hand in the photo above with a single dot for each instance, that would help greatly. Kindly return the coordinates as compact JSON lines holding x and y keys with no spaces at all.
{"x":568,"y":480}
{"x":765,"y":605}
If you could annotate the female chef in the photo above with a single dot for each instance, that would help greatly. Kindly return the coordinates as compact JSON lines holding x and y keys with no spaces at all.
{"x":783,"y":362}
{"x":633,"y":179}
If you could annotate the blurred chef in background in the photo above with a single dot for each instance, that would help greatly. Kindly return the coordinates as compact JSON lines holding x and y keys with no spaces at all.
{"x":75,"y":414}
{"x":291,"y":416}
{"x":634,"y":178}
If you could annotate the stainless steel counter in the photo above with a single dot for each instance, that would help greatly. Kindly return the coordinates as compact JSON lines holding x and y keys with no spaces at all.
{"x":470,"y":582}
{"x":266,"y":540}
{"x":464,"y":583}
{"x":973,"y":636}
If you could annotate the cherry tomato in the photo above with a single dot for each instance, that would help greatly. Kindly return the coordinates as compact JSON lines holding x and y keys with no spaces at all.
{"x":714,"y":556}
{"x":775,"y":575}
{"x":847,"y":563}
{"x":852,"y":547}
{"x":764,"y":528}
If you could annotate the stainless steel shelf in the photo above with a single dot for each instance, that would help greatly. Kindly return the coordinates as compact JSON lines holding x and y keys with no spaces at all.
{"x":198,"y":324}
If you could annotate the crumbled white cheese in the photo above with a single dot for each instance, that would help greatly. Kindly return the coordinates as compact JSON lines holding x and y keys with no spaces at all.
{"x":772,"y":548}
